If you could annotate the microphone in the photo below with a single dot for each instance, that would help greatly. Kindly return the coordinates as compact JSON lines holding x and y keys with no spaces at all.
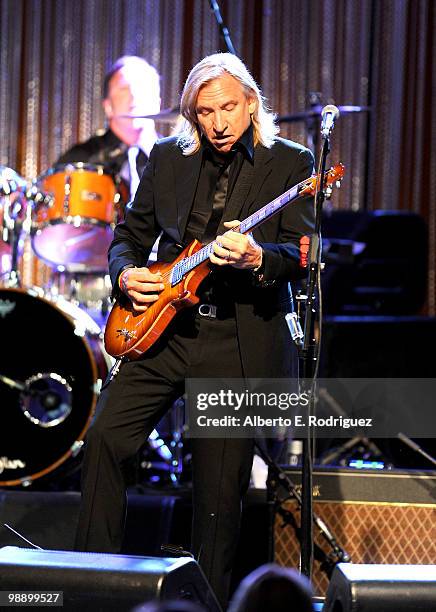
{"x":329,"y":114}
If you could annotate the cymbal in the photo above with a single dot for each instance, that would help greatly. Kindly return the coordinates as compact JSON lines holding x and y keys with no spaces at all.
{"x":168,"y":115}
{"x":10,"y":181}
{"x":315,"y":111}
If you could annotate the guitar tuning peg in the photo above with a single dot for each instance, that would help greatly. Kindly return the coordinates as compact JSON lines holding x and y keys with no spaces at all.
{"x":338,"y":184}
{"x":328,"y":191}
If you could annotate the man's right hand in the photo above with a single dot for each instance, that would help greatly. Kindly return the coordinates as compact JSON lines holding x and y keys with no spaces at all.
{"x":141,"y":286}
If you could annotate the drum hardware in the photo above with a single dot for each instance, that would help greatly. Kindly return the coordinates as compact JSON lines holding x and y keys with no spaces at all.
{"x":39,"y":199}
{"x":315,"y":111}
{"x":89,"y":291}
{"x":10,"y":181}
{"x":76,"y":447}
{"x":12,"y":383}
{"x":166,"y":440}
{"x":168,"y":115}
{"x":312,"y":116}
{"x":67,"y":193}
{"x":8,"y":225}
{"x":97,"y":386}
{"x":91,"y":196}
{"x":14,"y":278}
{"x":83,"y":322}
{"x":13,"y":208}
{"x":44,"y":398}
{"x":15,"y":227}
{"x":47,"y":399}
{"x":176,"y":443}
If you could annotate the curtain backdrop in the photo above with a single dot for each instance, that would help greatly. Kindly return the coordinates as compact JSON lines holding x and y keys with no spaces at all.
{"x":373,"y":53}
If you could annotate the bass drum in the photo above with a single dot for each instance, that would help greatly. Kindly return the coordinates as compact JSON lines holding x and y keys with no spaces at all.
{"x":51,"y":370}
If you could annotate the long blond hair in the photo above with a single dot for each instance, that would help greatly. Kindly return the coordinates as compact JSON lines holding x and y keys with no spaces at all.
{"x":208,"y":69}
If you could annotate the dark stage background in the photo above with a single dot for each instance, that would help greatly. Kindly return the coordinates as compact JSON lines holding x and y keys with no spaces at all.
{"x":380,"y":54}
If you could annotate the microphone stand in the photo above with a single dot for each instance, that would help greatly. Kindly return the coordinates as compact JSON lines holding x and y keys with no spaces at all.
{"x":310,"y":368}
{"x":277,"y":478}
{"x":307,"y":516}
{"x":223,"y":30}
{"x":415,"y":447}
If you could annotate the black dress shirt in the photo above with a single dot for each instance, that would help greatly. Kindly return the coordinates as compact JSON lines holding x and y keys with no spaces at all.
{"x":218,"y":176}
{"x":216,"y":182}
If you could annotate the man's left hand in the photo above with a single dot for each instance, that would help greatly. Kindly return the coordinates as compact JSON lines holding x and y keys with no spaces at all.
{"x":237,"y":250}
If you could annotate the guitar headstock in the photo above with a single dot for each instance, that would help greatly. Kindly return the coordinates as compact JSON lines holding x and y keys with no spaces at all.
{"x":331,"y":177}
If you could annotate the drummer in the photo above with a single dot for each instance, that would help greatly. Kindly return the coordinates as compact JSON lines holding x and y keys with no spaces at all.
{"x":131,"y":87}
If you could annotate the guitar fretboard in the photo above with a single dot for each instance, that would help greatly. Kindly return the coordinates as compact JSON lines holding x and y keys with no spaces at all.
{"x":189,"y":263}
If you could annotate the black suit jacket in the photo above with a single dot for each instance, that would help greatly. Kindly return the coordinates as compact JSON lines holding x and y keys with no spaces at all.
{"x":103,"y":149}
{"x":106,"y":149}
{"x":163,"y":203}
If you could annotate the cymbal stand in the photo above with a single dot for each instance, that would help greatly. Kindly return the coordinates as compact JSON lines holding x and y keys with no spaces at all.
{"x":177,"y":425}
{"x":415,"y":447}
{"x":169,"y":446}
{"x":14,"y":226}
{"x":312,"y":121}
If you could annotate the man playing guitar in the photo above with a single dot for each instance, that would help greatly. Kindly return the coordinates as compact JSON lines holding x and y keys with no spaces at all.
{"x":225,"y":165}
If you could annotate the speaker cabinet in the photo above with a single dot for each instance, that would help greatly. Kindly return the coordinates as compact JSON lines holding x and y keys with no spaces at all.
{"x":385,"y":517}
{"x":101,"y":582}
{"x":381,"y":588}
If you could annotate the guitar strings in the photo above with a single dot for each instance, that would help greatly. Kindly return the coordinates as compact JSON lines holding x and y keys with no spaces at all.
{"x":167,"y":275}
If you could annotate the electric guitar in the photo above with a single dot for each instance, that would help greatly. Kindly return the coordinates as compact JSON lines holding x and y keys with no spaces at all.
{"x":129,"y":333}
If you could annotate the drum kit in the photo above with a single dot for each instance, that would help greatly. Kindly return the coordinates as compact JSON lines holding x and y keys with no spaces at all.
{"x":54,"y":301}
{"x":63,"y":222}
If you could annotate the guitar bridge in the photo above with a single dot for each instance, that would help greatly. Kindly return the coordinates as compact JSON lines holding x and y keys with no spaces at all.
{"x":127,"y":335}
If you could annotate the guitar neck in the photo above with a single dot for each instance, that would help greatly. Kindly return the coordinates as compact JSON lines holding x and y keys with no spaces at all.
{"x":189,"y":263}
{"x":270,"y":209}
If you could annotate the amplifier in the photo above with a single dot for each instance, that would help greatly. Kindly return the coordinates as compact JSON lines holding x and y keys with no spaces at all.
{"x":377,"y":517}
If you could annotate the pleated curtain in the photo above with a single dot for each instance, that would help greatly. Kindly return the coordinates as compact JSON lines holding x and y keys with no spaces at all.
{"x":378,"y":54}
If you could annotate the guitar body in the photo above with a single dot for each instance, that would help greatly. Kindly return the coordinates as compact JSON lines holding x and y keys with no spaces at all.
{"x":129,"y":333}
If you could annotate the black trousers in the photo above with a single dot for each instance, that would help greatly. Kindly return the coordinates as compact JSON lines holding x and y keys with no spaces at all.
{"x":129,"y":408}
